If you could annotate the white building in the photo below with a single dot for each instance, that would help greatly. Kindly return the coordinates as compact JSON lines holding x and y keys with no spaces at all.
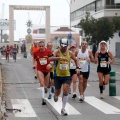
{"x":98,"y":9}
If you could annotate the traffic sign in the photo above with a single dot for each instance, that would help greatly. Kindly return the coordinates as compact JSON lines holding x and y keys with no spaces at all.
{"x":69,"y":36}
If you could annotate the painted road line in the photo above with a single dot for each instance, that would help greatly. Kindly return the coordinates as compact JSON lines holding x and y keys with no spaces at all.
{"x":117,"y":97}
{"x":11,"y":58}
{"x":57,"y":106}
{"x":101,"y":105}
{"x":25,"y":107}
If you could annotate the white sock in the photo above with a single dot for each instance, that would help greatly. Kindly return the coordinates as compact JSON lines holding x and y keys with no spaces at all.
{"x":42,"y":92}
{"x":64,"y":101}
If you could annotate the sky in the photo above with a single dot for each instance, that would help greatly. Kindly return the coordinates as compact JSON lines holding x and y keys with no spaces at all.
{"x":59,"y":14}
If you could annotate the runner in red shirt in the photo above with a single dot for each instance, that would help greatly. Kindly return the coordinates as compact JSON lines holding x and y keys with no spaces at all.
{"x":7,"y":50}
{"x":43,"y":67}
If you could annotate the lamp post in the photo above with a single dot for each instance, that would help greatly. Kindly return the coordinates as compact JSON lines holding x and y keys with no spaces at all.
{"x":70,"y":36}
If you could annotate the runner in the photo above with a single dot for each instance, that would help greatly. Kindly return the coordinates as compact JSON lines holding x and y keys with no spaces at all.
{"x":43,"y":67}
{"x":62,"y":56}
{"x":104,"y":58}
{"x":7,"y":52}
{"x":14,"y":52}
{"x":73,"y":71}
{"x":85,"y":56}
{"x":33,"y":50}
{"x":51,"y":80}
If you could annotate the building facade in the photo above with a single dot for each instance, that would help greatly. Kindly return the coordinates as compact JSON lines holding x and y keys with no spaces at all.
{"x":56,"y":33}
{"x":98,"y":9}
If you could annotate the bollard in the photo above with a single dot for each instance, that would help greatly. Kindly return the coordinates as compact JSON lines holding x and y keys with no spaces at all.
{"x":25,"y":55}
{"x":112,"y":84}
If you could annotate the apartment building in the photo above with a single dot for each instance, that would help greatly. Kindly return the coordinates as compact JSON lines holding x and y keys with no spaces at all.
{"x":98,"y":9}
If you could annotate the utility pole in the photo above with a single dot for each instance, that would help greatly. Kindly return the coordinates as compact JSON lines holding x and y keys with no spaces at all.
{"x":70,"y":35}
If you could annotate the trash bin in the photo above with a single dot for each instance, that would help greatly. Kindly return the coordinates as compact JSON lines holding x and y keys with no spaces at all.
{"x":25,"y":55}
{"x":112,"y":84}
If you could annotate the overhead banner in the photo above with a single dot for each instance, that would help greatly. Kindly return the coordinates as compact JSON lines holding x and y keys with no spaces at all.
{"x":117,"y":1}
{"x":4,"y":24}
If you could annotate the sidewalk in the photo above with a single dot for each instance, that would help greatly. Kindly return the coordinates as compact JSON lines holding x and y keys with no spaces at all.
{"x":117,"y":61}
{"x":2,"y":107}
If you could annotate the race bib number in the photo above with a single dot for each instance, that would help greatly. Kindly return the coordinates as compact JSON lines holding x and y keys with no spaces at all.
{"x":82,"y":61}
{"x":63,"y":65}
{"x":72,"y":63}
{"x":43,"y":61}
{"x":103,"y":64}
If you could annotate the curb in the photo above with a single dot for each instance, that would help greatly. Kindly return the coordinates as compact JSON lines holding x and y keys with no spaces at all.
{"x":2,"y":104}
{"x":0,"y":92}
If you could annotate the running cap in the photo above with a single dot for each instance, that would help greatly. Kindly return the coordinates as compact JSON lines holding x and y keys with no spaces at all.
{"x":64,"y":42}
{"x":103,"y":42}
{"x":72,"y":46}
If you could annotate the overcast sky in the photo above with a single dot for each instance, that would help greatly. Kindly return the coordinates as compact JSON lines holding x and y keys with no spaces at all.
{"x":59,"y":14}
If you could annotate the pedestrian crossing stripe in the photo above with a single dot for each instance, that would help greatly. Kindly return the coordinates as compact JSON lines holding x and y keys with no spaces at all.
{"x":25,"y":107}
{"x":117,"y":97}
{"x":57,"y":106}
{"x":101,"y":105}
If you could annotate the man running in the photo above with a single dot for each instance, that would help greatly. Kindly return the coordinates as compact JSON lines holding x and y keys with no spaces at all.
{"x":85,"y":56}
{"x":43,"y":67}
{"x":62,"y":56}
{"x":104,"y":58}
{"x":14,"y":51}
{"x":33,"y":50}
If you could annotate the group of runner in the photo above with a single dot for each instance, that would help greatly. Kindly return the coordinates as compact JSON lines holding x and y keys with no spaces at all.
{"x":59,"y":68}
{"x":10,"y":50}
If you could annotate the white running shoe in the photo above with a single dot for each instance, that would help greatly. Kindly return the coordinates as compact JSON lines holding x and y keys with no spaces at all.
{"x":101,"y":96}
{"x":63,"y":112}
{"x":81,"y":98}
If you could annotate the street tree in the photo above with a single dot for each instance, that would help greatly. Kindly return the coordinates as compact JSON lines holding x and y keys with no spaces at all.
{"x":97,"y":29}
{"x":5,"y":37}
{"x":116,"y":23}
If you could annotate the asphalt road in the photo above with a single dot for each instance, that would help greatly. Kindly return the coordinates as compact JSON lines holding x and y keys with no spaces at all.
{"x":23,"y":100}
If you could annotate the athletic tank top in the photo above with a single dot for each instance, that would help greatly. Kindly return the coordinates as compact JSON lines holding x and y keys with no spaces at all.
{"x":83,"y":60}
{"x":63,"y":66}
{"x":102,"y":59}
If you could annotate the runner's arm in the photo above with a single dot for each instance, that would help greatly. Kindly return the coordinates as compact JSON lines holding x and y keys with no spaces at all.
{"x":96,"y":58}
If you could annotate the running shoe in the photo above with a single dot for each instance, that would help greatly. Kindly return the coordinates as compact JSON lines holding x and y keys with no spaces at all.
{"x":55,"y":98}
{"x":52,"y":90}
{"x":35,"y":77}
{"x":101,"y":96}
{"x":43,"y":102}
{"x":63,"y":112}
{"x":50,"y":96}
{"x":46,"y":90}
{"x":74,"y":96}
{"x":81,"y":98}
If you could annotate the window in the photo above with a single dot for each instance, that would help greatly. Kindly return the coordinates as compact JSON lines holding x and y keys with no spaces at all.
{"x":99,"y":5}
{"x":107,"y":2}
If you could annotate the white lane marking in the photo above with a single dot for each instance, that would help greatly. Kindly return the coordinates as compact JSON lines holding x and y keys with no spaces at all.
{"x":101,"y":105}
{"x":88,"y":85}
{"x":25,"y":107}
{"x":118,"y":72}
{"x":117,"y":97}
{"x":11,"y":58}
{"x":57,"y":106}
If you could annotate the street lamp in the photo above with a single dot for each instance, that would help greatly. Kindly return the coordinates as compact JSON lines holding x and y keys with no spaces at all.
{"x":70,"y":36}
